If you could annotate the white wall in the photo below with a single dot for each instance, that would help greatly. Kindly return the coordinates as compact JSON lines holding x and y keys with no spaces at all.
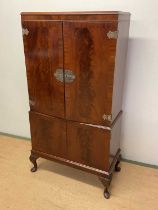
{"x":140,"y":121}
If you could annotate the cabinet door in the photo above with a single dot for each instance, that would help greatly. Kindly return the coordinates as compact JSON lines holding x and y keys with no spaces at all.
{"x":48,"y":134}
{"x":43,"y":47}
{"x":88,"y":145}
{"x":89,"y":54}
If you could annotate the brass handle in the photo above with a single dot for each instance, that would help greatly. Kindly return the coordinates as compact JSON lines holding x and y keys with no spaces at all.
{"x":68,"y":75}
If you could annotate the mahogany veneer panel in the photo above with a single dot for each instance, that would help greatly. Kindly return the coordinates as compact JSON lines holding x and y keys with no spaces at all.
{"x":48,"y":134}
{"x":91,"y":56}
{"x":43,"y":48}
{"x":88,"y":145}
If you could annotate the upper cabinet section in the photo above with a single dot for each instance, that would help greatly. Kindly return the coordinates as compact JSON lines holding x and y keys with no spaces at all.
{"x":43,"y":47}
{"x":75,"y":64}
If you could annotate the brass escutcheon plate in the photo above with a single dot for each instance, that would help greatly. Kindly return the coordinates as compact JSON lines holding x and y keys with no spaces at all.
{"x":68,"y":76}
{"x":59,"y":75}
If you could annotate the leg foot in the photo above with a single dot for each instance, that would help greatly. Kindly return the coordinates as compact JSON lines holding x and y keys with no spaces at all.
{"x":106,"y":193}
{"x":117,"y":168}
{"x":106,"y":183}
{"x":33,"y":159}
{"x":34,"y":169}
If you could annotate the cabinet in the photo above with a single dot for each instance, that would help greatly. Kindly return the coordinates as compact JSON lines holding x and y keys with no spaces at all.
{"x":75,"y":68}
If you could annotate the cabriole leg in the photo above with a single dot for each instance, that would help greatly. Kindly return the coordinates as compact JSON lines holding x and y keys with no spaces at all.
{"x":106,"y":182}
{"x":33,"y":159}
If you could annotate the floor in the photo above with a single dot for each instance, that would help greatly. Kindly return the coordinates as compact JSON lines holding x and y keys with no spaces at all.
{"x":58,"y":187}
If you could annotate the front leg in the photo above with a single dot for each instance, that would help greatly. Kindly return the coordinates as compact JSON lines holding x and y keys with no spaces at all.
{"x":33,"y":158}
{"x":106,"y":182}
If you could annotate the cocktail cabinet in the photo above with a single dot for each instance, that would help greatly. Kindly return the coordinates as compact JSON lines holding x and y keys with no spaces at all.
{"x":75,"y":65}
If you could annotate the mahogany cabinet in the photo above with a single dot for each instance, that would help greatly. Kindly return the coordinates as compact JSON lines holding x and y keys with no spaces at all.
{"x":75,"y":69}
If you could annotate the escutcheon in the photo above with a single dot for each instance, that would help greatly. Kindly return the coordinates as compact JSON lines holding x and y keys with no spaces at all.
{"x":66,"y":75}
{"x":69,"y":76}
{"x":59,"y":75}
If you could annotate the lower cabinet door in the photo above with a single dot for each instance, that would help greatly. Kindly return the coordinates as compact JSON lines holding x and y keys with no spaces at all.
{"x":88,"y":145}
{"x":48,"y":134}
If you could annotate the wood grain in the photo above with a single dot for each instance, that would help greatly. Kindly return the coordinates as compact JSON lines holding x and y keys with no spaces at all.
{"x":88,"y":145}
{"x":48,"y":134}
{"x":43,"y":48}
{"x":90,"y":54}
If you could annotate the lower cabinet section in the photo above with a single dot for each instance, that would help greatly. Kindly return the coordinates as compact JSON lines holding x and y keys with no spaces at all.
{"x":48,"y":134}
{"x":87,"y":147}
{"x":75,"y":142}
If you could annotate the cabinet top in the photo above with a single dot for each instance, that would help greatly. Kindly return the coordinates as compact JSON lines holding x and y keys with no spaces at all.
{"x":84,"y":15}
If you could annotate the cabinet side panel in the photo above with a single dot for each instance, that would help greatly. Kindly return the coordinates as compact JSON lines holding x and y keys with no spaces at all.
{"x":120,"y":61}
{"x":115,"y":138}
{"x":43,"y":47}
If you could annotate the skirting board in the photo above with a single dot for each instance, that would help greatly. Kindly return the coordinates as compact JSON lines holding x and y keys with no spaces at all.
{"x":123,"y":159}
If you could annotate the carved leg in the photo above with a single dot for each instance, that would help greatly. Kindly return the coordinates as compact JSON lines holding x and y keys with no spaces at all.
{"x":117,"y":168}
{"x":33,"y":159}
{"x":106,"y":182}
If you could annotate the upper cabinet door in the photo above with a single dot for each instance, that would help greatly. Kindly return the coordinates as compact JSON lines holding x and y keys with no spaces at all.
{"x":43,"y":47}
{"x":89,"y":61}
